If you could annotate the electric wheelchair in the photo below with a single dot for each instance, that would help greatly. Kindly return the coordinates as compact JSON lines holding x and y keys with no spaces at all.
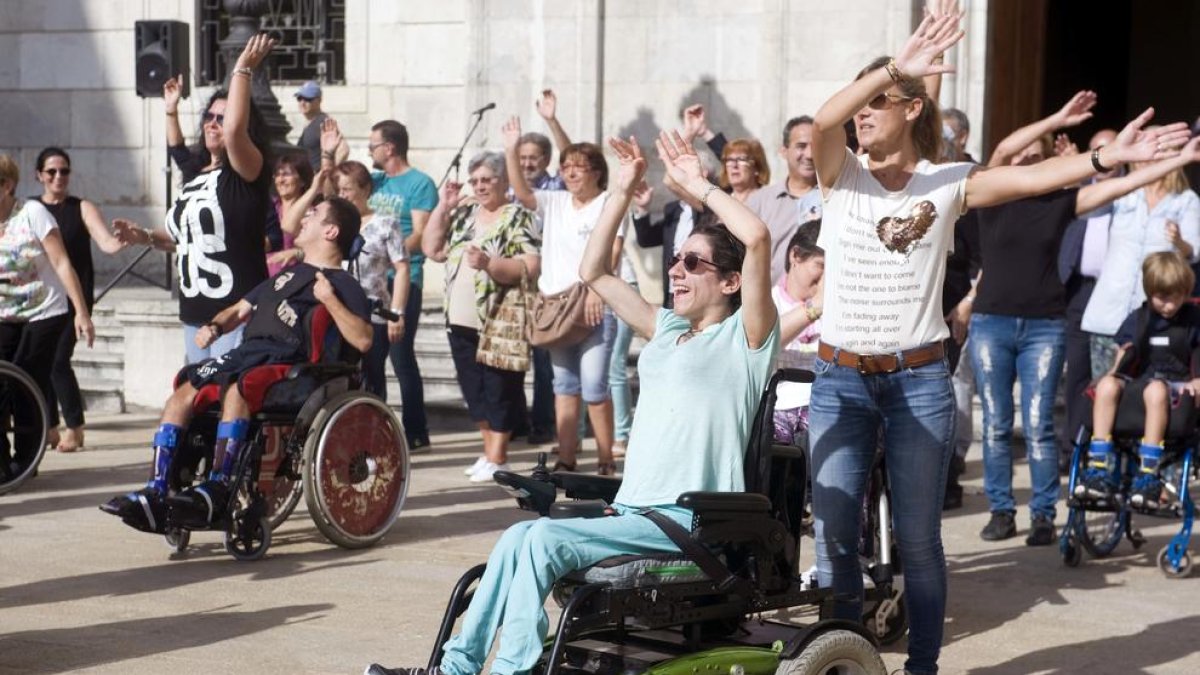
{"x":313,"y":431}
{"x":698,"y":609}
{"x":1098,"y":525}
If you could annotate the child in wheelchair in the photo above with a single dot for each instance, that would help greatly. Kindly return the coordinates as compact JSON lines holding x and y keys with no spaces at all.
{"x":797,"y":297}
{"x":275,"y":334}
{"x":1160,"y":356}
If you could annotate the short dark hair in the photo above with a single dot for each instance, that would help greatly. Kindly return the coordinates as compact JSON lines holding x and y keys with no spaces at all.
{"x":357,"y":172}
{"x":343,"y":214}
{"x":537,"y":139}
{"x":804,"y":240}
{"x":395,"y":133}
{"x":792,"y":124}
{"x":728,"y":253}
{"x":49,"y":152}
{"x":299,"y":163}
{"x":593,"y":155}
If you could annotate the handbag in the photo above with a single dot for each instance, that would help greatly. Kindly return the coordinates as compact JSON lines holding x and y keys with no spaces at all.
{"x":558,"y":319}
{"x":504,"y":335}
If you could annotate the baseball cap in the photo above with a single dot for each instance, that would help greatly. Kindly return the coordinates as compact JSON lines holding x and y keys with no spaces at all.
{"x":309,"y":89}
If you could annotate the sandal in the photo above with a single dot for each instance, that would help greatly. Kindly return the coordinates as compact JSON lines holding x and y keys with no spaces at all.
{"x":563,"y":466}
{"x":606,"y":468}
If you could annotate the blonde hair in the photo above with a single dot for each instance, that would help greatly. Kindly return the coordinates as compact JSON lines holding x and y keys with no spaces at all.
{"x":755,"y":150}
{"x":1167,"y":273}
{"x":9,"y":172}
{"x":1175,"y":182}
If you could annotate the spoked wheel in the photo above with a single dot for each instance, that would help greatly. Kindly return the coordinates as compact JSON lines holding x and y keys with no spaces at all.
{"x":1072,"y":554}
{"x":1101,"y":531}
{"x":1170,"y":570}
{"x":835,"y":652}
{"x":355,"y":469}
{"x":280,"y":475}
{"x":24,"y":423}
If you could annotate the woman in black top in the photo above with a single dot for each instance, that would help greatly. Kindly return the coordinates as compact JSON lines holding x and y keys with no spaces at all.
{"x":79,"y":222}
{"x":217,"y":225}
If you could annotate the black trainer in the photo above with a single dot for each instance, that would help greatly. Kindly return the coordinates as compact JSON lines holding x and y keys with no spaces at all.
{"x":143,"y":510}
{"x":1041,"y":532}
{"x":1001,"y":526}
{"x":376,"y":669}
{"x":200,"y":505}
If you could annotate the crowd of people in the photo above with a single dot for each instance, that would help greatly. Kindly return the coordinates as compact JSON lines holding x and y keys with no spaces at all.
{"x":902,"y":272}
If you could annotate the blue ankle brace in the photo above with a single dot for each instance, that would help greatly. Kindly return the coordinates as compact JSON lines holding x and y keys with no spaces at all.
{"x":166,"y":439}
{"x":231,"y":435}
{"x":1098,"y":454}
{"x":1150,"y":454}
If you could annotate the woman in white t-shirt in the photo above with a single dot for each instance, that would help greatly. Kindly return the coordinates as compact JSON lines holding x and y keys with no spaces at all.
{"x":36,"y":280}
{"x":888,"y":226}
{"x":568,"y":218}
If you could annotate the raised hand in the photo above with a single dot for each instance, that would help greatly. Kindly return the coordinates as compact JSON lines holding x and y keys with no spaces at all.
{"x":643,"y":194}
{"x":683,"y":165}
{"x":1063,"y":147}
{"x":512,"y":133}
{"x":920,"y":54}
{"x":172,"y":92}
{"x":130,"y":233}
{"x":1077,"y":110}
{"x":939,"y":8}
{"x":256,"y":51}
{"x":694,"y":122}
{"x":1134,"y":144}
{"x":450,"y":194}
{"x":547,"y":105}
{"x":1191,"y":151}
{"x":331,"y":135}
{"x":633,"y":165}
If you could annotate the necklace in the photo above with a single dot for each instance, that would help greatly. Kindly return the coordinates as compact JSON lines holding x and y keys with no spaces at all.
{"x":687,"y":335}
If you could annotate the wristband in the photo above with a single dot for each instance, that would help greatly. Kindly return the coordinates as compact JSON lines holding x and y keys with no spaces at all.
{"x":243,"y":71}
{"x":216,"y":329}
{"x":707,"y":191}
{"x":1096,"y":162}
{"x":172,"y":113}
{"x":398,"y":311}
{"x":893,"y":70}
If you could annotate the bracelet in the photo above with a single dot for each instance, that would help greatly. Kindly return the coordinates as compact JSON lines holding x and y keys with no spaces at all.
{"x":215,"y":328}
{"x":172,"y":113}
{"x":1096,"y":162}
{"x":327,"y":154}
{"x":813,"y":313}
{"x":707,"y":191}
{"x":149,"y":236}
{"x":398,"y":311}
{"x":243,"y":71}
{"x":893,"y":70}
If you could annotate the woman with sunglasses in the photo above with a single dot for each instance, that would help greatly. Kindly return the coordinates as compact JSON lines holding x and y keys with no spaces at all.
{"x":216,"y":227}
{"x":718,"y":344}
{"x":79,"y":223}
{"x":488,"y":244}
{"x":744,"y":168}
{"x":888,"y":224}
{"x":568,"y":218}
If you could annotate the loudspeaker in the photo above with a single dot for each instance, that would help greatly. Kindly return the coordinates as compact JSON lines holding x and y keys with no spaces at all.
{"x":161,"y":51}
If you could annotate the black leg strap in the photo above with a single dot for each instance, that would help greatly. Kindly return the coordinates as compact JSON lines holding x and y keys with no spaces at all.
{"x":705,"y":559}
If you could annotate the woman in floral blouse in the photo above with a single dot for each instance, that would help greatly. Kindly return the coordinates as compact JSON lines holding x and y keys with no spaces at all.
{"x":488,"y":244}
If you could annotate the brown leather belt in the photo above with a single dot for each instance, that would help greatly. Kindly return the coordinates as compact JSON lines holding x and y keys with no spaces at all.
{"x":881,"y":364}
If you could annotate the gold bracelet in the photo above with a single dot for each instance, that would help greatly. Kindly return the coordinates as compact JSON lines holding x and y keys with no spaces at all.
{"x":707,"y":191}
{"x":243,"y":71}
{"x":893,"y":70}
{"x":813,"y":313}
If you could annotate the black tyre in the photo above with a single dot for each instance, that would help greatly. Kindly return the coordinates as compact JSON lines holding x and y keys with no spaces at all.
{"x":835,"y":652}
{"x":1101,"y":531}
{"x":249,"y":538}
{"x":178,"y":538}
{"x":893,"y":624}
{"x":356,"y":469}
{"x":1171,"y":571}
{"x":1072,"y":554}
{"x":24,"y":423}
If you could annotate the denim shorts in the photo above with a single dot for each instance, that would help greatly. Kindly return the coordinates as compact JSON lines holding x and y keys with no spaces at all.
{"x":582,"y":369}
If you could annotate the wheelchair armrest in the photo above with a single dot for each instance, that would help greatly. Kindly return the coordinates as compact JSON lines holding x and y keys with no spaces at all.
{"x":321,"y":371}
{"x":531,"y":494}
{"x":727,"y":502}
{"x":583,"y":508}
{"x":583,"y":486}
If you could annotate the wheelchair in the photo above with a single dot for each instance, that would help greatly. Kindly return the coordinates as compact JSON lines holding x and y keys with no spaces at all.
{"x":24,"y":424}
{"x":697,"y":609}
{"x":1097,"y":526}
{"x":313,"y":432}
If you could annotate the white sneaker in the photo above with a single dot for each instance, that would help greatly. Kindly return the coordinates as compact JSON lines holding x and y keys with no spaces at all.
{"x":479,"y":461}
{"x":484,"y":473}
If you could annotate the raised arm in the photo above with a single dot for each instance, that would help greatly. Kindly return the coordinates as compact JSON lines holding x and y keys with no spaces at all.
{"x":437,"y":230}
{"x":547,"y":107}
{"x":512,"y":164}
{"x":596,"y":268}
{"x":919,"y":57}
{"x":295,"y":212}
{"x":759,"y":315}
{"x":172,"y":92}
{"x":333,"y":152}
{"x":936,"y":9}
{"x":1075,"y":112}
{"x":244,"y":157}
{"x":93,"y":220}
{"x":1000,"y":184}
{"x":1098,"y":194}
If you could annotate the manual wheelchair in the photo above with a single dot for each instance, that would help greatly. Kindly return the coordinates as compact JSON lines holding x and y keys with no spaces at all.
{"x":313,"y":431}
{"x":1098,"y":526}
{"x":691,"y":611}
{"x":24,"y":424}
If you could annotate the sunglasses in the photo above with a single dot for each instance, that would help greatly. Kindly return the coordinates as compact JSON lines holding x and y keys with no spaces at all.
{"x":211,"y":117}
{"x":56,"y":172}
{"x":691,"y":261}
{"x":884,"y":101}
{"x":305,"y":99}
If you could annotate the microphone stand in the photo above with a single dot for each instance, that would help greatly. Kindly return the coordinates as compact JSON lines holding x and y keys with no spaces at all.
{"x":456,"y":163}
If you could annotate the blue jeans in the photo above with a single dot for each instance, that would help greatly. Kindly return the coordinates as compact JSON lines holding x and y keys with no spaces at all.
{"x":914,"y":409}
{"x":618,"y":382}
{"x":541,"y":413}
{"x":1004,"y":348}
{"x":374,"y":362}
{"x":217,"y":349}
{"x":582,"y":369}
{"x":404,"y":362}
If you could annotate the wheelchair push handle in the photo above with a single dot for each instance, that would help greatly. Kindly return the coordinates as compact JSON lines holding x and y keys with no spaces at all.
{"x":383,"y":311}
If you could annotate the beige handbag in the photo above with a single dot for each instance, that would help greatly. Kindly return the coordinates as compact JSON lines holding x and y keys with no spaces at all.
{"x":559,"y":319}
{"x":504,"y":336}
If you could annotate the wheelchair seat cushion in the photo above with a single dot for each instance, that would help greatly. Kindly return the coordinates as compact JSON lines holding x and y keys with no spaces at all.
{"x":636,"y":571}
{"x":229,"y":367}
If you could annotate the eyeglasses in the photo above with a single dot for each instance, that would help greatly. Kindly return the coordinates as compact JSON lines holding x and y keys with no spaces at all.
{"x":571,"y":165}
{"x":884,"y":101}
{"x":691,"y":261}
{"x":55,"y":172}
{"x":212,"y":117}
{"x":745,"y":161}
{"x":483,"y":180}
{"x":372,"y":147}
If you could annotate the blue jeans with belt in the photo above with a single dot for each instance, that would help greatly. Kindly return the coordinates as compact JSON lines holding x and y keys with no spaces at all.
{"x":914,"y":410}
{"x":1004,"y":348}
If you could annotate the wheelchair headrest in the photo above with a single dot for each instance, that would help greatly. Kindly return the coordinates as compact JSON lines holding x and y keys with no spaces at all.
{"x":356,"y":247}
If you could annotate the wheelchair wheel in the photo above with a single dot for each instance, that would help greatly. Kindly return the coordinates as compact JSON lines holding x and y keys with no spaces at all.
{"x":835,"y":652}
{"x":178,"y":538}
{"x":24,"y":423}
{"x":248,"y":538}
{"x":279,"y":475}
{"x":1171,"y":571}
{"x":1072,"y":554}
{"x":1101,"y":531}
{"x":355,"y":469}
{"x":888,"y":624}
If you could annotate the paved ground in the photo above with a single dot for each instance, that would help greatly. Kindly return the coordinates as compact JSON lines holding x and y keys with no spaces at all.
{"x":81,"y":592}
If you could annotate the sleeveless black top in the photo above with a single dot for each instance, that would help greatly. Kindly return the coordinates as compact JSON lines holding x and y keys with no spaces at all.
{"x":77,"y":241}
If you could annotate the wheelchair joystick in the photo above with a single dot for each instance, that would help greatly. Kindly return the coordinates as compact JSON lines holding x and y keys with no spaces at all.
{"x":540,"y":472}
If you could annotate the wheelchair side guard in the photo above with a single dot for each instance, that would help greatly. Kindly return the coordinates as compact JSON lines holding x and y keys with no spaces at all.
{"x":744,"y":660}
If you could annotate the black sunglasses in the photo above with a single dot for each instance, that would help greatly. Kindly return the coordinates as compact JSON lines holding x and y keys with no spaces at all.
{"x":55,"y":172}
{"x":209,"y":117}
{"x":691,"y":261}
{"x":305,"y":99}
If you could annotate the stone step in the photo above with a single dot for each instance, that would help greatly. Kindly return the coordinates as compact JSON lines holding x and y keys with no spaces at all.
{"x":93,"y":364}
{"x":102,"y":395}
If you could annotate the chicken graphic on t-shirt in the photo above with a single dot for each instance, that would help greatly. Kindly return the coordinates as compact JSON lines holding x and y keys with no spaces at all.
{"x":900,"y":234}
